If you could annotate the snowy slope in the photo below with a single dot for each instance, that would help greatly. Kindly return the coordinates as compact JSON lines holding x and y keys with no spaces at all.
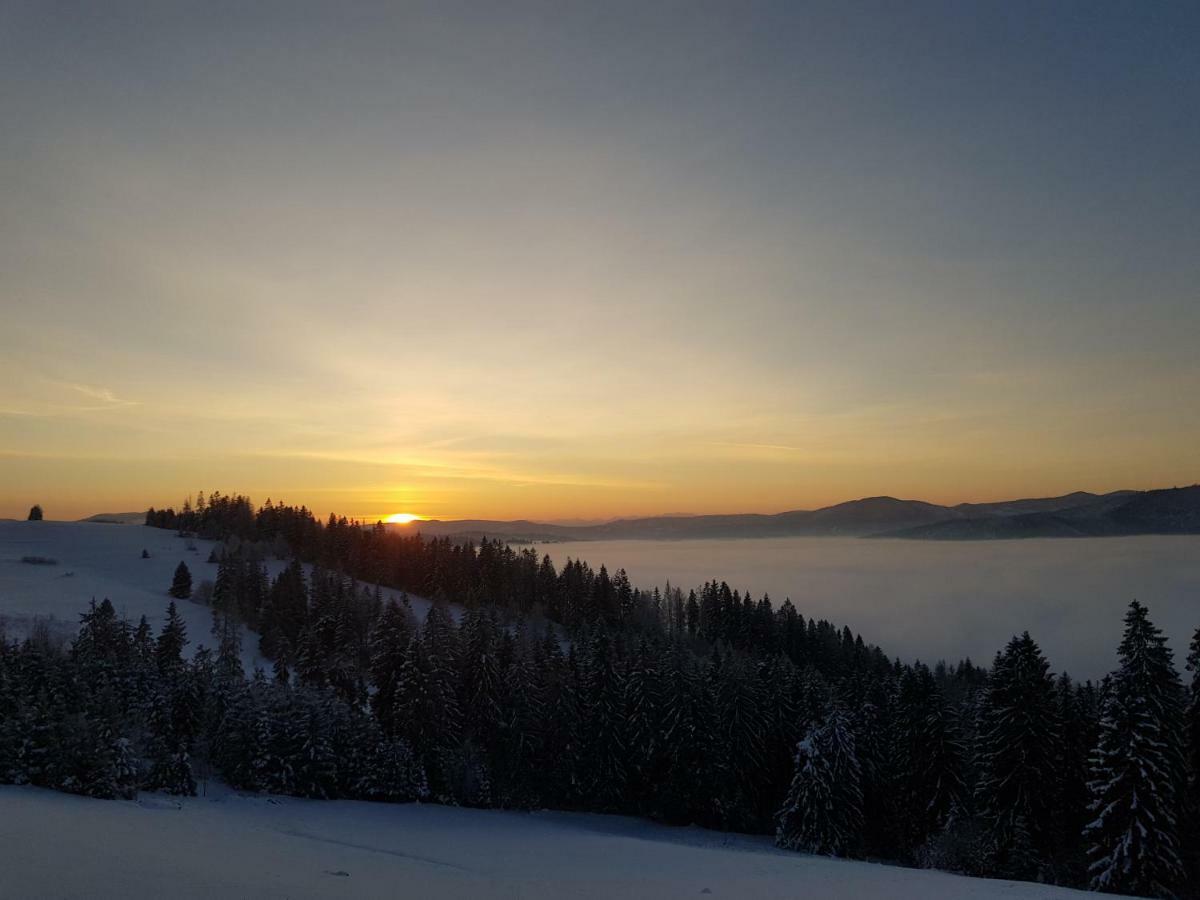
{"x":97,"y":560}
{"x":227,"y":845}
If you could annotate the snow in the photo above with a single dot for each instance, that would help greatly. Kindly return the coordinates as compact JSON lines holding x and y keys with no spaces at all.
{"x":226,"y":844}
{"x":96,"y":560}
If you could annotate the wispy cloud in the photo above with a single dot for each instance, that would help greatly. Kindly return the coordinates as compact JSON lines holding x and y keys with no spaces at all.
{"x":108,"y":400}
{"x":742,"y":445}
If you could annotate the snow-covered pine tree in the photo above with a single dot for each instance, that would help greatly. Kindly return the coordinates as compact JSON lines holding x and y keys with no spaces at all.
{"x":229,"y":647}
{"x":168,"y":649}
{"x":393,"y":773}
{"x":1193,"y":720}
{"x":518,"y":769}
{"x":602,"y":762}
{"x":1191,"y":831}
{"x":928,"y":757}
{"x":1079,"y":715}
{"x":314,"y":763}
{"x":389,"y":644}
{"x":1017,"y":750}
{"x":822,"y":812}
{"x":1137,"y":769}
{"x":643,"y":725}
{"x":125,"y":773}
{"x":480,"y":679}
{"x":741,"y":728}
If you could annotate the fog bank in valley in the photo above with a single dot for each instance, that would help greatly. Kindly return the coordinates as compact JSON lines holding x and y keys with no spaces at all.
{"x":944,"y":599}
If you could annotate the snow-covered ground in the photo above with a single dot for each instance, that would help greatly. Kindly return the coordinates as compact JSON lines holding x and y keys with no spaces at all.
{"x":227,"y":845}
{"x":95,"y":560}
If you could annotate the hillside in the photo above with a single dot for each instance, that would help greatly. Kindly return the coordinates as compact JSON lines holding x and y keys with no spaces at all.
{"x":233,"y":845}
{"x":94,"y":560}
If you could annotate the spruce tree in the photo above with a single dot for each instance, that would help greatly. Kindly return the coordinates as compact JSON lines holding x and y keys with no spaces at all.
{"x":181,"y":584}
{"x":1191,"y":832}
{"x":1137,"y":769}
{"x":928,"y":759}
{"x":822,"y":812}
{"x":168,"y":650}
{"x":1017,"y":744}
{"x":1193,"y":721}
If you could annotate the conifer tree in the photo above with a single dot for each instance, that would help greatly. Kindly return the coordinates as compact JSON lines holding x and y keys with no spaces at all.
{"x":168,"y":650}
{"x":1017,"y":743}
{"x":1190,"y":834}
{"x":1137,"y":769}
{"x":389,"y":644}
{"x":1193,"y":721}
{"x":822,"y":812}
{"x":928,"y":758}
{"x":181,"y":584}
{"x":602,"y":768}
{"x":643,"y":722}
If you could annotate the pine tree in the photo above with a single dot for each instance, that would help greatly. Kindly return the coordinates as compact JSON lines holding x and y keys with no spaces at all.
{"x":1137,"y":769}
{"x":1017,"y":747}
{"x":740,"y":734}
{"x":1191,"y":831}
{"x":181,"y":584}
{"x":522,"y":731}
{"x":823,"y":809}
{"x":1193,"y":720}
{"x":602,"y":764}
{"x":643,"y":723}
{"x":168,"y":650}
{"x":928,"y":758}
{"x":389,"y":644}
{"x":393,"y":773}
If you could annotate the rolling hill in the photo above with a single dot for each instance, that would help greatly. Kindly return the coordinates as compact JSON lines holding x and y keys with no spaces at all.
{"x":1079,"y":514}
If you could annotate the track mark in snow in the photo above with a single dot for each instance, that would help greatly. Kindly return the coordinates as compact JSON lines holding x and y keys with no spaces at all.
{"x":367,"y":847}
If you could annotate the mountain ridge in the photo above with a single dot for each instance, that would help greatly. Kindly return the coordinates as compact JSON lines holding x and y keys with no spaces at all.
{"x":1077,"y":514}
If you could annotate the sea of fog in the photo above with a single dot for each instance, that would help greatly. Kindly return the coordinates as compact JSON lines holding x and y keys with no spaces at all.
{"x":935,"y":600}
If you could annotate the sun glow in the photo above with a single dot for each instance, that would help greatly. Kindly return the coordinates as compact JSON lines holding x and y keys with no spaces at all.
{"x":402,"y":518}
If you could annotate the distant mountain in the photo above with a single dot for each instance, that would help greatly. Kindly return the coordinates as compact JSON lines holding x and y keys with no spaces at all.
{"x":1080,"y":514}
{"x":1169,"y":511}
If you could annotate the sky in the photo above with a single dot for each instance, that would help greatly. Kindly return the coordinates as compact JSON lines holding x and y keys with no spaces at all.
{"x":577,"y":261}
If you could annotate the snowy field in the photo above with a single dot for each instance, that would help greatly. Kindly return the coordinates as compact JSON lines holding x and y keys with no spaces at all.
{"x":95,"y":560}
{"x":228,"y":845}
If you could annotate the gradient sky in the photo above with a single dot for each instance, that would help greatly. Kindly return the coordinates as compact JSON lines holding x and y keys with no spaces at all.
{"x":564,"y":260}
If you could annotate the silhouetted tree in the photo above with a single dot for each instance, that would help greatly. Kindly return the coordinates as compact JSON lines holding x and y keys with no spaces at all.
{"x":181,"y":584}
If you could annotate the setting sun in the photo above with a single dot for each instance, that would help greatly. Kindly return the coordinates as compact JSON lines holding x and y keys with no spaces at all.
{"x":402,"y":518}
